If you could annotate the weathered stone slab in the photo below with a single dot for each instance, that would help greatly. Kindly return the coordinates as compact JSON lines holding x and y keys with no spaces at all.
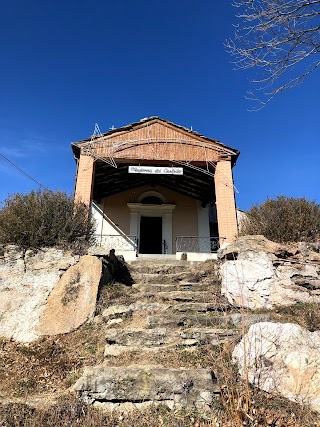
{"x":117,"y":311}
{"x":201,"y":307}
{"x":174,"y":387}
{"x":226,"y":320}
{"x":137,"y":337}
{"x":150,"y":307}
{"x":154,"y":287}
{"x":73,"y":300}
{"x":120,"y":340}
{"x":161,"y":278}
{"x":147,"y":267}
{"x":185,"y":296}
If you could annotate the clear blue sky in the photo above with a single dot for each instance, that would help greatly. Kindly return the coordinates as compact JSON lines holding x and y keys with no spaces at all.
{"x":66,"y":65}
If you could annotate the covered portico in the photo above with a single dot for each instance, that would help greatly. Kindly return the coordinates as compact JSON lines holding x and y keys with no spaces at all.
{"x":156,"y":187}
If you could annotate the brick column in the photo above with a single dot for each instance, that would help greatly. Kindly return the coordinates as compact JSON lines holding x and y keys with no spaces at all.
{"x":84,"y":184}
{"x":225,"y":202}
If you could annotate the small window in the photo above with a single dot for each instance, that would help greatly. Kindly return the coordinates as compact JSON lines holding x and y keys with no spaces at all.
{"x":151,"y":200}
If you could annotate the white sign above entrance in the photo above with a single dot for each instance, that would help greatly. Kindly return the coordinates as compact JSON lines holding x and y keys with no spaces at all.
{"x":156,"y":170}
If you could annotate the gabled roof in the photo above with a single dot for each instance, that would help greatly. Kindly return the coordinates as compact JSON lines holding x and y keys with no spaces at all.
{"x":149,"y":120}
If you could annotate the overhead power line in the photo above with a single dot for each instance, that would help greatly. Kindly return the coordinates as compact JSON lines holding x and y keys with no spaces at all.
{"x":22,"y":171}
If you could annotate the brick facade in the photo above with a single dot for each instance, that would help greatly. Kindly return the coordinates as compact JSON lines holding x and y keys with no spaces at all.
{"x":85,"y":177}
{"x":225,"y":201}
{"x":154,"y":140}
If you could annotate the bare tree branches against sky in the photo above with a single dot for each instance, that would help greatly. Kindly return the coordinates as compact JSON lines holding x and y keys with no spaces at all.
{"x":279,"y":40}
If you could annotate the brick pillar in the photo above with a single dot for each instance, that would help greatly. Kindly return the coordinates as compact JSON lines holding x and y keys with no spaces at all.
{"x":225,"y":202}
{"x":84,"y":183}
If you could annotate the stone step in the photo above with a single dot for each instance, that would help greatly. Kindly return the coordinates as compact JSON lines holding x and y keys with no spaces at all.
{"x":161,"y":278}
{"x":186,"y":320}
{"x":149,"y":307}
{"x":201,"y":307}
{"x":232,"y":320}
{"x":143,"y":340}
{"x":149,"y":268}
{"x":190,"y":307}
{"x":185,"y":296}
{"x":126,"y":388}
{"x":163,"y":287}
{"x":177,"y":296}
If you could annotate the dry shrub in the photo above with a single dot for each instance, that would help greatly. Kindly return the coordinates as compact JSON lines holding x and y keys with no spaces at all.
{"x":284,"y":219}
{"x":44,"y":219}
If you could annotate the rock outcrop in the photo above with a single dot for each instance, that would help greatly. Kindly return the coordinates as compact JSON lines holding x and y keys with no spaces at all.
{"x":73,"y":300}
{"x":258,"y":273}
{"x":28,"y":281}
{"x":282,"y":358}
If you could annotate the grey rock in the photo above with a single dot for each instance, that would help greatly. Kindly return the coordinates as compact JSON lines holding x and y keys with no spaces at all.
{"x":26,"y":282}
{"x":174,"y":387}
{"x":265,"y":274}
{"x":282,"y":358}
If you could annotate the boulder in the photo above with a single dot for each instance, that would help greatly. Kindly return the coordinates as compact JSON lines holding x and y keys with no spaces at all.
{"x":73,"y":300}
{"x":258,"y":243}
{"x":257,"y":273}
{"x":27,"y":281}
{"x":25,"y":284}
{"x":282,"y":358}
{"x":136,"y":384}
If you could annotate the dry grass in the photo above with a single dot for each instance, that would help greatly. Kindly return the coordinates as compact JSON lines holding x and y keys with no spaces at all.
{"x":73,"y":413}
{"x":266,"y":410}
{"x":115,"y":293}
{"x":194,"y":357}
{"x":305,"y":314}
{"x":49,"y":364}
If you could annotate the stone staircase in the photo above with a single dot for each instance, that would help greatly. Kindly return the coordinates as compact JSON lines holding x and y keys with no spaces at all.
{"x":175,"y":311}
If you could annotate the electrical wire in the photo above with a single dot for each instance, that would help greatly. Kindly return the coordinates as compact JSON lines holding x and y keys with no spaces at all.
{"x":22,"y":171}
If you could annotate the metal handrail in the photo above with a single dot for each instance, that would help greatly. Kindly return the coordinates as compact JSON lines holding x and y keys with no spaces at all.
{"x":116,"y":241}
{"x":198,"y":244}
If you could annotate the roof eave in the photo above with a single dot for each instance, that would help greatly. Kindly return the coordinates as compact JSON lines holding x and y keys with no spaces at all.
{"x":76,"y":145}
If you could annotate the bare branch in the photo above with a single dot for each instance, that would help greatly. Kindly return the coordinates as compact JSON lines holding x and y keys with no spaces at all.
{"x":280,"y":39}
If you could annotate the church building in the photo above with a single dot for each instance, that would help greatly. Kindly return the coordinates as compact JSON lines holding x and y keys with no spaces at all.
{"x":155,"y":187}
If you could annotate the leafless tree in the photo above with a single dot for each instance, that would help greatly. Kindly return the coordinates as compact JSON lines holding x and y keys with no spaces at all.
{"x":280,"y":39}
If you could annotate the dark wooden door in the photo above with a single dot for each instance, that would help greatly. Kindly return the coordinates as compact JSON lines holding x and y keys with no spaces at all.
{"x":150,"y":235}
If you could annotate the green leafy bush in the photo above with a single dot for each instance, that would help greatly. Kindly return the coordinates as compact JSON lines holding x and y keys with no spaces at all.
{"x":284,"y":219}
{"x":44,"y":219}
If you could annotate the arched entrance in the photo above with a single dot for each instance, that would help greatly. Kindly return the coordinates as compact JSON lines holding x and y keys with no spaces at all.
{"x":151,"y":221}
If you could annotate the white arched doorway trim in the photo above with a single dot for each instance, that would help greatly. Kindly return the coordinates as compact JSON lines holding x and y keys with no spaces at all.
{"x":137,"y":210}
{"x":151,"y":194}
